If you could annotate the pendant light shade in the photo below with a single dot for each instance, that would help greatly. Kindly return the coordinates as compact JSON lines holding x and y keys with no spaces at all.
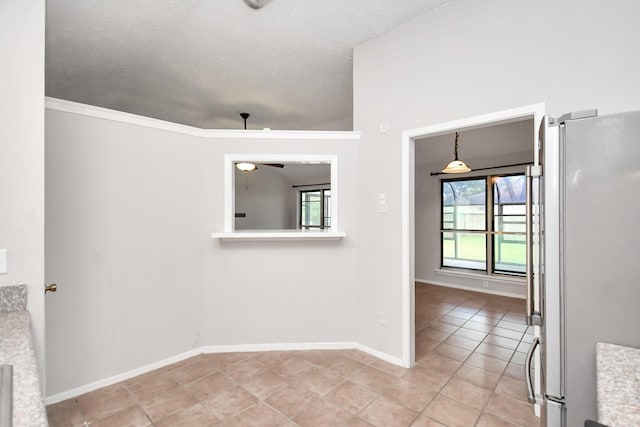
{"x":456,"y":165}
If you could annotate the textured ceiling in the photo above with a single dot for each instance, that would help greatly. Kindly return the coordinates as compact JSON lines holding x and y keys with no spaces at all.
{"x":202,"y":62}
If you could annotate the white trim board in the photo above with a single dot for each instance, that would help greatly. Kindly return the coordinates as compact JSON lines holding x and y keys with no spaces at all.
{"x":134,"y":119}
{"x":471,"y":288}
{"x":281,"y":235}
{"x":76,"y":391}
{"x":229,"y":197}
{"x":240,"y":348}
{"x":535,"y":111}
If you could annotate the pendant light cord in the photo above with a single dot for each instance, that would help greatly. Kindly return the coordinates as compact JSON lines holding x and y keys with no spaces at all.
{"x":455,"y":150}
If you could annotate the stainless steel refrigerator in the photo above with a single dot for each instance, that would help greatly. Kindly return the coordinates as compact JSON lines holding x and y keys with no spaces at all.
{"x":584,"y":257}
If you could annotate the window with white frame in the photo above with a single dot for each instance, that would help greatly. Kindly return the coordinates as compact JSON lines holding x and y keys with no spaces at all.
{"x":483,"y":223}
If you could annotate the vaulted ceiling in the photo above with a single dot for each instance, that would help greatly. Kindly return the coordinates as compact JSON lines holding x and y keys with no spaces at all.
{"x":202,"y":62}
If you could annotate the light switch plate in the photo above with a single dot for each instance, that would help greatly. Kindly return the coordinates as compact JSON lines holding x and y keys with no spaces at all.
{"x":3,"y":261}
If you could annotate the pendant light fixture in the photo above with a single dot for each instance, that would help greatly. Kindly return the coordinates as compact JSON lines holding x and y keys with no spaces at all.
{"x":456,"y":166}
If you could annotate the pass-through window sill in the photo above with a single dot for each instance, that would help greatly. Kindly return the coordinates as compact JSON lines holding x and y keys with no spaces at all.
{"x":279,"y":235}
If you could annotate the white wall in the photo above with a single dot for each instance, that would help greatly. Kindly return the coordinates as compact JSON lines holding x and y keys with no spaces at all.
{"x":124,"y":241}
{"x":129,"y":213}
{"x":267,"y":199}
{"x":22,"y":153}
{"x":282,"y":292}
{"x":464,"y":59}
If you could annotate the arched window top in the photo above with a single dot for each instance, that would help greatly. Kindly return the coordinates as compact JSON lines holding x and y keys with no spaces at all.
{"x":467,"y":192}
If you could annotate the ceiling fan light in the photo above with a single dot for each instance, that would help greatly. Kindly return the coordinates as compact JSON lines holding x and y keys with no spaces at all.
{"x":456,"y":166}
{"x":246,"y":166}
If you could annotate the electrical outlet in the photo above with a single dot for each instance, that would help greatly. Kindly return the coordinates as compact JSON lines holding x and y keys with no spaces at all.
{"x":382,"y":319}
{"x":485,"y":283}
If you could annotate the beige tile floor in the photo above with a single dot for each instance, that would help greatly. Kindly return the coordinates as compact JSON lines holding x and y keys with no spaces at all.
{"x":470,"y":351}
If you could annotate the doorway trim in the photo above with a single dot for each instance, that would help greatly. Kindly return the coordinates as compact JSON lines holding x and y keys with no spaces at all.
{"x":534,"y":111}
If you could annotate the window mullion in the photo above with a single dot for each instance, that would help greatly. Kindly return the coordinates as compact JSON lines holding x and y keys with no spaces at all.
{"x":322,"y":209}
{"x":489,"y":225}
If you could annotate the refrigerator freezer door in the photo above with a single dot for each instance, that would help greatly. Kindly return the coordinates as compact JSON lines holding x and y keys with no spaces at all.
{"x":600,"y":234}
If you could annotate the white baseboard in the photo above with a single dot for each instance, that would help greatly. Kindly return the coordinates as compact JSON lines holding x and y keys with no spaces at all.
{"x":471,"y":288}
{"x":119,"y":377}
{"x":240,"y":348}
{"x":380,"y":355}
{"x":249,"y":348}
{"x":302,"y":346}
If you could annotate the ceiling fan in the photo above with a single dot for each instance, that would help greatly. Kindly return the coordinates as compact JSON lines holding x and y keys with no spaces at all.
{"x":249,"y":166}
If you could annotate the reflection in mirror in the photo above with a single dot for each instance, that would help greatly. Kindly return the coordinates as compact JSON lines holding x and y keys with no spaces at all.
{"x":282,"y":195}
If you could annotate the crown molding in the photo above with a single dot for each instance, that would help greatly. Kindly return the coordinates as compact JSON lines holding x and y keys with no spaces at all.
{"x":134,"y":119}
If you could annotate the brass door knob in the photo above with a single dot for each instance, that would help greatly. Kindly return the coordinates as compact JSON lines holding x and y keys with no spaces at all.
{"x":50,"y":288}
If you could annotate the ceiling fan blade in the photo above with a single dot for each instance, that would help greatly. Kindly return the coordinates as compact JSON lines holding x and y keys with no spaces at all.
{"x":273,"y":165}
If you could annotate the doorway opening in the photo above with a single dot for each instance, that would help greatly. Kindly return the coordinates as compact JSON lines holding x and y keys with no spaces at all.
{"x":431,"y":135}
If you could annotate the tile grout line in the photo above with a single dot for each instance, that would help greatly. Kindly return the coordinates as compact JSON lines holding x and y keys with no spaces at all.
{"x":502,"y":374}
{"x":507,"y":313}
{"x":422,"y":413}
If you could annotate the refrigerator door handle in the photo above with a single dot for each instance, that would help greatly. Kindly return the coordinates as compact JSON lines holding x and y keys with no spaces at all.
{"x":533,"y":314}
{"x":531,"y":397}
{"x":529,"y":248}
